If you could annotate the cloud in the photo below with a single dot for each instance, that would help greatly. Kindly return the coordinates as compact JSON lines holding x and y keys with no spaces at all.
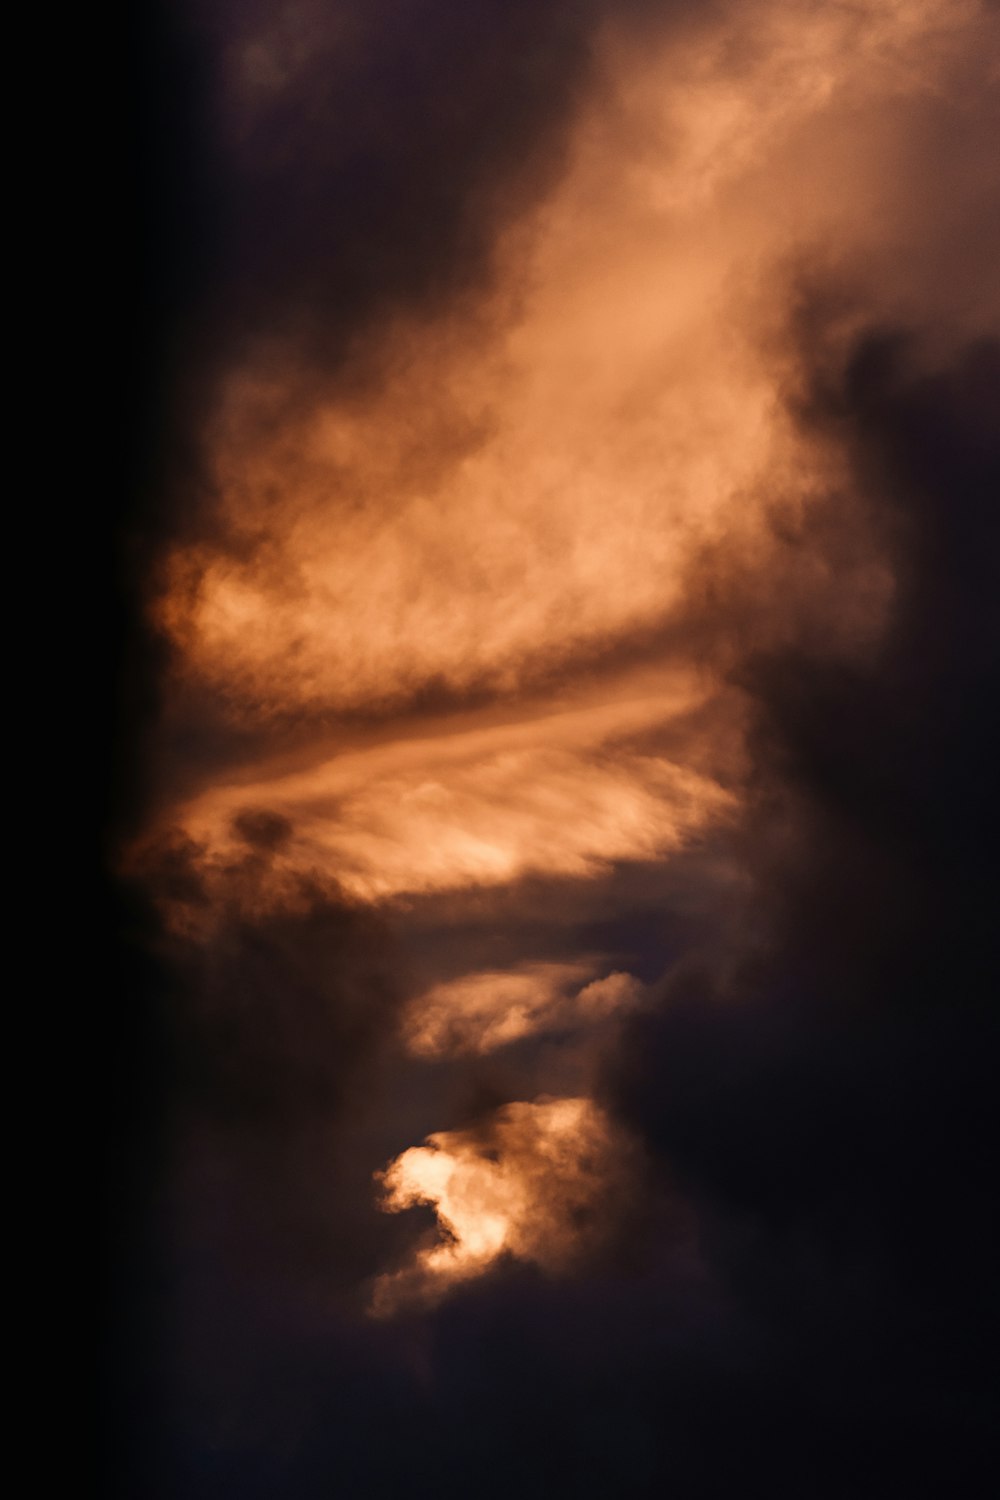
{"x":530,"y":476}
{"x":475,"y":807}
{"x":824,"y":1098}
{"x":277,"y":1003}
{"x":579,"y":564}
{"x":480,"y":1012}
{"x":537,"y":1181}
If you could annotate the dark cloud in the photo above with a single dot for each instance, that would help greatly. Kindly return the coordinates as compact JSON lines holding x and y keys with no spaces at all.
{"x":375,"y":169}
{"x":828,"y":1103}
{"x":823,"y":1325}
{"x":367,"y":154}
{"x":800,"y":1299}
{"x":267,"y":1028}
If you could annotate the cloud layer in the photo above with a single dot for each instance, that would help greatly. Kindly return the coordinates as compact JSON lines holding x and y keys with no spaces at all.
{"x":565,"y":852}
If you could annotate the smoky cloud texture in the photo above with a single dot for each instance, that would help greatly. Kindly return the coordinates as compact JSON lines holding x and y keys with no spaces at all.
{"x":827,"y":1099}
{"x":365,"y":156}
{"x":817,"y":1092}
{"x":559,"y":887}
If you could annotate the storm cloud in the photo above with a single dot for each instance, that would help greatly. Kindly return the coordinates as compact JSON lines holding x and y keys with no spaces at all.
{"x":554,"y":831}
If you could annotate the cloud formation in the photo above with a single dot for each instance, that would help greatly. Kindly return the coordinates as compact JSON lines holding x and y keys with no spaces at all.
{"x":576,"y":600}
{"x":531,"y":1183}
{"x":481,"y":1012}
{"x":478,"y":807}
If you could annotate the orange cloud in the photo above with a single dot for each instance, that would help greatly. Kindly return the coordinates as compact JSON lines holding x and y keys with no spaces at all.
{"x":481,"y":1012}
{"x":530,"y":1185}
{"x":558,"y":795}
{"x":530,"y":477}
{"x":498,"y":496}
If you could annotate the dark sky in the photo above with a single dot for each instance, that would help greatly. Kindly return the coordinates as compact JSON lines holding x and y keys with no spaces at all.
{"x":552,"y":790}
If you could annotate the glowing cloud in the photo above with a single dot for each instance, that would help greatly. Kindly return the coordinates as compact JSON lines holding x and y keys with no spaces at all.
{"x":481,"y":1012}
{"x":531,"y":475}
{"x":529,"y":1184}
{"x":553,"y":796}
{"x":433,"y":564}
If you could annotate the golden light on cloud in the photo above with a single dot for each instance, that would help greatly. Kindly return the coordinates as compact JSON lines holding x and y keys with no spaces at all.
{"x":531,"y":476}
{"x":562,"y":526}
{"x":528,"y":1184}
{"x":481,"y":1012}
{"x":442,"y":563}
{"x":556,"y":796}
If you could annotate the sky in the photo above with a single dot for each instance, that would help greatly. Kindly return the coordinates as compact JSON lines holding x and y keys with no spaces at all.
{"x":552,"y":752}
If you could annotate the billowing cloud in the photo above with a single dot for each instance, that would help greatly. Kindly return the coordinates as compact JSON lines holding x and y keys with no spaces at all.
{"x":531,"y":477}
{"x":575,"y":625}
{"x":536,"y":1182}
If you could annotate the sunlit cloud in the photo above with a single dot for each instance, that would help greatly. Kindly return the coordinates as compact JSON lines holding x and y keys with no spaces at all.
{"x":532,"y":1183}
{"x":481,"y":1012}
{"x":435,"y":568}
{"x":531,"y":477}
{"x":555,"y":796}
